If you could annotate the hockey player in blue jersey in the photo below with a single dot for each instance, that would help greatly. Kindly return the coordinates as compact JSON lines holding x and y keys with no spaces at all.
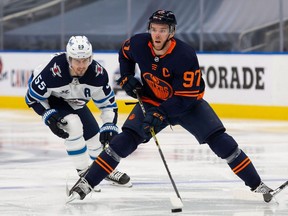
{"x":59,"y":92}
{"x":171,"y":89}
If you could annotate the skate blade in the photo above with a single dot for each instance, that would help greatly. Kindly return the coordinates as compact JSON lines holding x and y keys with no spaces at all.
{"x":72,"y":197}
{"x":96,"y":189}
{"x":67,"y":190}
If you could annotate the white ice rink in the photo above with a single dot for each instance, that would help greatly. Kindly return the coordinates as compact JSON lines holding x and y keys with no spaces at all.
{"x":34,"y":170}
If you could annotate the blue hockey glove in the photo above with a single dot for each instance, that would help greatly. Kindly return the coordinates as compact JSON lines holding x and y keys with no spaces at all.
{"x":129,"y":83}
{"x":53,"y":120}
{"x":154,"y":117}
{"x":107,"y":132}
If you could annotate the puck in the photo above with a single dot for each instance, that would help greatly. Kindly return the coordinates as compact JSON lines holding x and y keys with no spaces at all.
{"x":176,"y":210}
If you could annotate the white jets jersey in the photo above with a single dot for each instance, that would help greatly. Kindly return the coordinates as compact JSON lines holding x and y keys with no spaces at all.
{"x":54,"y":82}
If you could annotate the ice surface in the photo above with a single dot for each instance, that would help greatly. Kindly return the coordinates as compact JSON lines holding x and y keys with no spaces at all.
{"x":35,"y":168}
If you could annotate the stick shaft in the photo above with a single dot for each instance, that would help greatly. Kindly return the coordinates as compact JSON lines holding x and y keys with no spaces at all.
{"x":280,"y":188}
{"x":159,"y":148}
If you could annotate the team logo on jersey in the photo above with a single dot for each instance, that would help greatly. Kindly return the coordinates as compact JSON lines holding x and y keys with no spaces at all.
{"x":56,"y":70}
{"x":65,"y":91}
{"x":98,"y":70}
{"x":160,"y":88}
{"x":77,"y":101}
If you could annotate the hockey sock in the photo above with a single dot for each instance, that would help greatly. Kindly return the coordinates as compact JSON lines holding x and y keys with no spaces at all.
{"x":244,"y":169}
{"x":100,"y":168}
{"x":77,"y":151}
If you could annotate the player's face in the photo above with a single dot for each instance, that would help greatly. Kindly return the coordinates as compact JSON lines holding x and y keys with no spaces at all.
{"x":159,"y":33}
{"x":79,"y":66}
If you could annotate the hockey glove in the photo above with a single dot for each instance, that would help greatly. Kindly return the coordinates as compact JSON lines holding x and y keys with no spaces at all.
{"x":154,"y":117}
{"x":107,"y":132}
{"x":54,"y":120}
{"x":129,"y":83}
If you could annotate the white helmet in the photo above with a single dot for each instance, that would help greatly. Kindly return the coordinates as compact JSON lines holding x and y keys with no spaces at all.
{"x":79,"y":47}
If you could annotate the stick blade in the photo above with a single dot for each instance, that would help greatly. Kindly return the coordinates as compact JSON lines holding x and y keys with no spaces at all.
{"x":176,"y":202}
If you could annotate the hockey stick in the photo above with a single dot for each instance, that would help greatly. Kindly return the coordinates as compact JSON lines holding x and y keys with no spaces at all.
{"x":176,"y":202}
{"x":268,"y":197}
{"x":279,"y":189}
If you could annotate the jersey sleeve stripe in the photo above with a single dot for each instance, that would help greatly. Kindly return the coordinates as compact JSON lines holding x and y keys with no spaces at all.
{"x":191,"y":94}
{"x":150,"y":101}
{"x":33,"y":94}
{"x":114,"y":105}
{"x":186,"y":94}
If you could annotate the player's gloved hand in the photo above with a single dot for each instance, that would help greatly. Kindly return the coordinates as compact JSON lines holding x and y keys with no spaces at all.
{"x":54,"y":120}
{"x":107,"y":132}
{"x":154,"y":117}
{"x":129,"y":83}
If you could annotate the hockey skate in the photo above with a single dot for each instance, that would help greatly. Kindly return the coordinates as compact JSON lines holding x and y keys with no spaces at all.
{"x":81,"y":173}
{"x":79,"y":190}
{"x":265,"y":190}
{"x":118,"y":178}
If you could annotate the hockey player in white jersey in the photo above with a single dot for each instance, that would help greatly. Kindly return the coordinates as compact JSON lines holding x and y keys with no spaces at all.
{"x":59,"y":92}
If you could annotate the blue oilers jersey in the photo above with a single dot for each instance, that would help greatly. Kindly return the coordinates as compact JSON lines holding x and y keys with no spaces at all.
{"x":54,"y":80}
{"x":172,"y":81}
